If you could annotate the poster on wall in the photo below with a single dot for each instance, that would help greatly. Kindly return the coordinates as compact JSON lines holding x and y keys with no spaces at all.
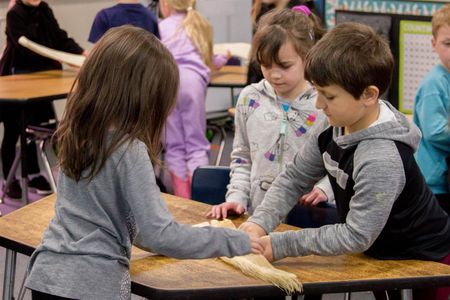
{"x":416,"y":59}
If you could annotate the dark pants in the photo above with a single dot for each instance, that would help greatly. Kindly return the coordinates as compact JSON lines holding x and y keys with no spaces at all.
{"x":36,"y":114}
{"x":35,"y":295}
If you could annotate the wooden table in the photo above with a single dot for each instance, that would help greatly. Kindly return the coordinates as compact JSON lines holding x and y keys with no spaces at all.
{"x":229,"y":77}
{"x":158,"y":277}
{"x":33,"y":87}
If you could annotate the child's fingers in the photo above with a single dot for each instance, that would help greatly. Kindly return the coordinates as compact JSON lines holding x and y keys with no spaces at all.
{"x":224,"y":211}
{"x":308,"y":199}
{"x":257,"y":248}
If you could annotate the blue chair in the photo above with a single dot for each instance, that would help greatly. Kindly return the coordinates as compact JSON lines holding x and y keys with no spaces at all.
{"x":209,"y":184}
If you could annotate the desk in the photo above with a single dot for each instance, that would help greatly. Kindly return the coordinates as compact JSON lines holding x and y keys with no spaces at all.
{"x":229,"y":77}
{"x":159,"y":277}
{"x":25,"y":88}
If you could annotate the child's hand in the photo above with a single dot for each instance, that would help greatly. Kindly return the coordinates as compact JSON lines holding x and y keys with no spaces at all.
{"x":256,"y":244}
{"x":313,"y":198}
{"x":222,"y":210}
{"x":252,"y":229}
{"x":266,"y":242}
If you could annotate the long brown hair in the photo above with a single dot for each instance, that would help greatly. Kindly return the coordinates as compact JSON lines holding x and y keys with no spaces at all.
{"x":124,"y":91}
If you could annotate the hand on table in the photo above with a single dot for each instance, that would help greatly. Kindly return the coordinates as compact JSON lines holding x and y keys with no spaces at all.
{"x":221,"y":211}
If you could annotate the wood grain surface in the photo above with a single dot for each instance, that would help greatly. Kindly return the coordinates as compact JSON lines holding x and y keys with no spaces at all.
{"x":161,"y":277}
{"x":33,"y":86}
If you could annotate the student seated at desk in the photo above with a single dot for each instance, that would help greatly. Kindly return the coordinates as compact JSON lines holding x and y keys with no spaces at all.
{"x":109,"y":139}
{"x":33,"y":19}
{"x":366,"y":148}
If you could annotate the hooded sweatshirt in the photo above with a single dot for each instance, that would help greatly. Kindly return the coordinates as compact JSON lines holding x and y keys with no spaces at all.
{"x":385,"y":206}
{"x":39,"y":25}
{"x":86,"y":250}
{"x":268,"y":134}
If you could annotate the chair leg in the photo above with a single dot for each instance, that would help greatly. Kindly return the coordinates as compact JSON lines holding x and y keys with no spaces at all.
{"x":22,"y":289}
{"x":46,"y":163}
{"x":10,"y":177}
{"x":223,"y":137}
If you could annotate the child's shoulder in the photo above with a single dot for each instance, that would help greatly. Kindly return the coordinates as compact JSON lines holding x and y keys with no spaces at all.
{"x":438,"y":75}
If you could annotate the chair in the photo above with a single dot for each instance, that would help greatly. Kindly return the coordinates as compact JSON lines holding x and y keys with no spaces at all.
{"x":216,"y":123}
{"x":209,"y":184}
{"x":41,"y":135}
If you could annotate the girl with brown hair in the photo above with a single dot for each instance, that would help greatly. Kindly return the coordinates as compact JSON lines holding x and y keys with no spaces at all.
{"x":109,"y":140}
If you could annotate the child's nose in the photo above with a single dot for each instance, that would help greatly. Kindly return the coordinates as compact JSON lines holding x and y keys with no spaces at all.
{"x":275,"y":74}
{"x":320,"y":104}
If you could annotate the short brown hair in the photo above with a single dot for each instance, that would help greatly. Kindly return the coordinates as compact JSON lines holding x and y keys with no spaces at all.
{"x":352,"y":56}
{"x":125,"y":90}
{"x":440,"y":18}
{"x":279,"y":26}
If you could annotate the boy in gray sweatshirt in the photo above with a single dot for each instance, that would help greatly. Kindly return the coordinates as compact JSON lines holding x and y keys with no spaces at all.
{"x":366,"y":149}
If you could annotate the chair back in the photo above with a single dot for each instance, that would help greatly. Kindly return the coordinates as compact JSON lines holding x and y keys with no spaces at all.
{"x":209,"y":184}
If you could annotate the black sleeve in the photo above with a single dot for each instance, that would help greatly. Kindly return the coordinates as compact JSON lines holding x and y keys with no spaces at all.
{"x":63,"y":41}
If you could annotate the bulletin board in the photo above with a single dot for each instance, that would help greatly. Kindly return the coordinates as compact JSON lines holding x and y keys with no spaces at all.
{"x":416,"y":59}
{"x":381,"y":23}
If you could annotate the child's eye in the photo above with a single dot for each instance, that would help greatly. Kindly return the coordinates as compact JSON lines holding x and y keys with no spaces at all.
{"x":285,"y":67}
{"x":329,"y":97}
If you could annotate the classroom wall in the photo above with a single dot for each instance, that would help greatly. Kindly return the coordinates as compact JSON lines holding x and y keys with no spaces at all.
{"x":391,"y":7}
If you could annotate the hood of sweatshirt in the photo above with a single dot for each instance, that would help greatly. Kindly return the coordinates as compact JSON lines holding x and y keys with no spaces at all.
{"x":401,"y":129}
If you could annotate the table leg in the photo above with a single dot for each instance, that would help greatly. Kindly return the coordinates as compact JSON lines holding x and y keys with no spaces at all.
{"x":9,"y":276}
{"x":23,"y":157}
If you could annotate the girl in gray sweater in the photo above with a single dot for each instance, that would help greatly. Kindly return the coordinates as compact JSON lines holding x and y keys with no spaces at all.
{"x":107,"y":198}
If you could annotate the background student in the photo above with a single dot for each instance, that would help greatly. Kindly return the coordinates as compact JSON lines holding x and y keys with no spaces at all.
{"x":33,"y":19}
{"x":189,"y":37}
{"x":431,"y":112}
{"x":109,"y":140}
{"x":130,"y":12}
{"x":275,"y":116}
{"x":366,"y":148}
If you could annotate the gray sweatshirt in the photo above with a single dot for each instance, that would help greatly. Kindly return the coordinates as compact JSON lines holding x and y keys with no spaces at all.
{"x":85,"y":252}
{"x":384,"y":205}
{"x":266,"y":139}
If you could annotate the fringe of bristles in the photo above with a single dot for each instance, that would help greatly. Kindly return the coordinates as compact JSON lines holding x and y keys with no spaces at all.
{"x":258,"y":266}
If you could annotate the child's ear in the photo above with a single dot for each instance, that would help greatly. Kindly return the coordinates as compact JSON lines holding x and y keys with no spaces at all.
{"x":370,"y":95}
{"x":433,"y":43}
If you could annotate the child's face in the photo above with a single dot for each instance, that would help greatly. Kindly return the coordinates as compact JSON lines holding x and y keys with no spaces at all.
{"x":344,"y":110}
{"x":287,"y":78}
{"x":32,"y":2}
{"x":441,"y":45}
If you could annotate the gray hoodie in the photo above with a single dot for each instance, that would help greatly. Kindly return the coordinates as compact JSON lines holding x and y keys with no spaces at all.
{"x":260,"y":151}
{"x":85,"y":252}
{"x":385,"y":207}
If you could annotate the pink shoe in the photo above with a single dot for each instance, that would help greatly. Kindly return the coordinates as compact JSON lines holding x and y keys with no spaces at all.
{"x":181,"y":187}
